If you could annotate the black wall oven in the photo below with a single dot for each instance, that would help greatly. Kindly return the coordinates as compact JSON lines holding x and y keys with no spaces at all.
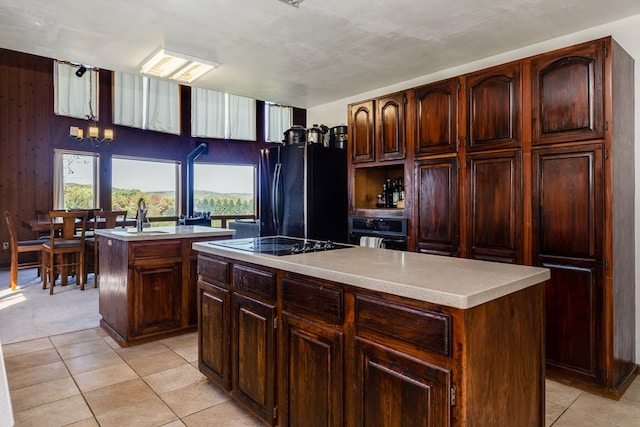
{"x":393,"y":231}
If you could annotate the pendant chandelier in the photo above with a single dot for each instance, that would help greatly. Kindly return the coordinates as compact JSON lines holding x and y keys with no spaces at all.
{"x":92,"y":136}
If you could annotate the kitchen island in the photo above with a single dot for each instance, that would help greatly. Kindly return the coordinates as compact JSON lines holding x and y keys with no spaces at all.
{"x":364,"y":336}
{"x":148,"y":282}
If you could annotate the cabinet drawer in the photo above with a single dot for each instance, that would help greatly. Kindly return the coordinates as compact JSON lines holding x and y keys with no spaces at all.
{"x":314,"y":298}
{"x":261,"y":282}
{"x":213,"y":269}
{"x":167,"y":249}
{"x":424,"y":329}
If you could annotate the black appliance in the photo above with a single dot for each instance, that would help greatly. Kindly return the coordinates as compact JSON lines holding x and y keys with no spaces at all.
{"x":393,"y":231}
{"x":278,"y":245}
{"x":303,"y":192}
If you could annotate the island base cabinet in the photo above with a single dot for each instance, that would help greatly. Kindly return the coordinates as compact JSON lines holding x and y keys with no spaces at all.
{"x":311,"y":374}
{"x":213,"y":334}
{"x":395,"y":389}
{"x":253,"y":360}
{"x":157,"y":302}
{"x":325,"y":354}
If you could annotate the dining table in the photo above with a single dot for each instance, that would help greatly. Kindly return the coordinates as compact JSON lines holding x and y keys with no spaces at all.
{"x":40,"y":225}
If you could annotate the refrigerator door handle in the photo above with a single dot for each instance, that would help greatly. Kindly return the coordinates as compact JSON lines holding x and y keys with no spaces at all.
{"x":275,"y":196}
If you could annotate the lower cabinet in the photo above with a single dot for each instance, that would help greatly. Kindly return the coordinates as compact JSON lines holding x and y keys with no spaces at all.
{"x":157,"y":301}
{"x":253,"y":355}
{"x":311,"y":378}
{"x":301,"y":351}
{"x":399,"y":390}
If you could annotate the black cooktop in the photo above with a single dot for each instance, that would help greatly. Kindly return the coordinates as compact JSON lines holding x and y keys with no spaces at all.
{"x":278,"y":245}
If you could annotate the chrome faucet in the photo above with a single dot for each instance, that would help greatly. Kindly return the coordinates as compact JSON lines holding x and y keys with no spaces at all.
{"x":141,"y":218}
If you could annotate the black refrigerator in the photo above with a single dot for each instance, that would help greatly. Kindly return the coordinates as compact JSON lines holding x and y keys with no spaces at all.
{"x":303,"y":192}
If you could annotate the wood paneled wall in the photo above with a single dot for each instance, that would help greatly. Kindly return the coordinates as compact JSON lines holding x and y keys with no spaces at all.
{"x":30,"y":131}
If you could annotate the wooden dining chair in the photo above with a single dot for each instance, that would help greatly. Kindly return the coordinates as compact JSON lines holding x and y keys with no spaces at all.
{"x":103,"y":219}
{"x":18,"y":247}
{"x":64,"y":252}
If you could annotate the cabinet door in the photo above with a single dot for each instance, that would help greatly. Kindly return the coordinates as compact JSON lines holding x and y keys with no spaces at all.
{"x":567,"y":95}
{"x":436,"y":115}
{"x":362,"y":132}
{"x":567,"y":238}
{"x":214,"y":338}
{"x":157,"y":297}
{"x":438,"y":221}
{"x":399,"y":390}
{"x":311,"y":374}
{"x":494,"y":108}
{"x":494,"y":210}
{"x":253,"y":364}
{"x":390,"y":134}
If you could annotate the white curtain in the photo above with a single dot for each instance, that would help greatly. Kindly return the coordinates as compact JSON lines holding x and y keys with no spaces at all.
{"x":58,"y":180}
{"x":71,"y":93}
{"x":279,"y":120}
{"x":163,"y":102}
{"x":242,"y":118}
{"x":207,"y":113}
{"x":128,"y":99}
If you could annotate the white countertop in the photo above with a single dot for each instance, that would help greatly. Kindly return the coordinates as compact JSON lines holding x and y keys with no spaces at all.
{"x":163,"y":233}
{"x":455,"y":282}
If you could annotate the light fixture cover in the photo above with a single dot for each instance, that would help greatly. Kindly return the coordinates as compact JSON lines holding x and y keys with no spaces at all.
{"x":176,"y":66}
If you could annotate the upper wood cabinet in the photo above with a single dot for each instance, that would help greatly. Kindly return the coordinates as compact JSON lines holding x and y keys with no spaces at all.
{"x":436,"y":117}
{"x":567,"y":94}
{"x":390,"y":135}
{"x":494,"y":107}
{"x":376,"y":129}
{"x":362,"y":132}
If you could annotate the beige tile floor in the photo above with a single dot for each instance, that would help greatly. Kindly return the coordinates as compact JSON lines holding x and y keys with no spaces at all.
{"x":85,"y":379}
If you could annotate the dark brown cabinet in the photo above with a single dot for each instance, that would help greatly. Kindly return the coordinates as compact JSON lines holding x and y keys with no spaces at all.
{"x":494,"y":212}
{"x":494,"y":108}
{"x":338,"y":354}
{"x":390,"y":133}
{"x":362,"y":132}
{"x":157,"y":302}
{"x":312,"y":348}
{"x":546,"y":178}
{"x":437,"y":205}
{"x":214,"y":335}
{"x":398,"y":390}
{"x":149,"y":288}
{"x":377,"y":129}
{"x":568,"y":236}
{"x":253,"y":362}
{"x":567,"y":94}
{"x":435,"y":107}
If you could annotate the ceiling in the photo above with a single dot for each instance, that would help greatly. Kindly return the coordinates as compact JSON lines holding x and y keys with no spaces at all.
{"x":322,"y":51}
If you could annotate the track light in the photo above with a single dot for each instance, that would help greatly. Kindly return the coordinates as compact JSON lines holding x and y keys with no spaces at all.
{"x":81,"y":70}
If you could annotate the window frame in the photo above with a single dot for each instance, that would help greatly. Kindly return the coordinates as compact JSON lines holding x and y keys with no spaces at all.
{"x":58,"y":176}
{"x":178,"y":180}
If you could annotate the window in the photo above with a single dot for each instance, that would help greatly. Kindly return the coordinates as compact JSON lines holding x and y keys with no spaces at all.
{"x":75,"y":180}
{"x":224,"y":190}
{"x":146,"y":103}
{"x":156,"y":181}
{"x":72,"y":93}
{"x":222,"y":115}
{"x":278,"y":120}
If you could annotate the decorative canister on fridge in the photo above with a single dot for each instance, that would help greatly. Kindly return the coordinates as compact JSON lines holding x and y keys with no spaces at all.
{"x":295,"y":135}
{"x":338,"y":136}
{"x":314,"y":135}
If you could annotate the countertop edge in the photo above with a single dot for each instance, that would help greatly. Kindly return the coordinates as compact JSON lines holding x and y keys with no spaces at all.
{"x":164,"y":233}
{"x":312,"y":265}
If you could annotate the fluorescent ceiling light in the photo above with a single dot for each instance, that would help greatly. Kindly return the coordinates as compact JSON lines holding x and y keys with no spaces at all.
{"x":176,"y":66}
